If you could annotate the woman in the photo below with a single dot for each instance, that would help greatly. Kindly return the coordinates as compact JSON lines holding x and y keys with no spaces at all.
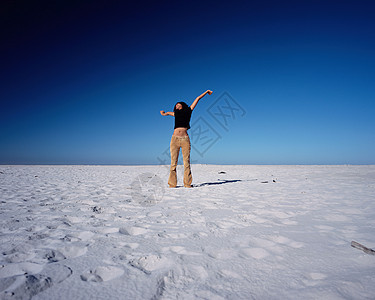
{"x":180,"y":139}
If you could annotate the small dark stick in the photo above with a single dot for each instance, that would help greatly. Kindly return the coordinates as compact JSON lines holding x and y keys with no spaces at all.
{"x":363,"y":248}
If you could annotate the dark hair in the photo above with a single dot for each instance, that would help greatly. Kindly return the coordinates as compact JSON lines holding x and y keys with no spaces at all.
{"x":184,"y":106}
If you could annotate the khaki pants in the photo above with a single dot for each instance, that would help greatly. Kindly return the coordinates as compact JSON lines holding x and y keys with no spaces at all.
{"x":178,"y":142}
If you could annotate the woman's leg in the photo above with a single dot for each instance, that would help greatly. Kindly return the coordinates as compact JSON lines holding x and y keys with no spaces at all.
{"x":175,"y":149}
{"x":185,"y":147}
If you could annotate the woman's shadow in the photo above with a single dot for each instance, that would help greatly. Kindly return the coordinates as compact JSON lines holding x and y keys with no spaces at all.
{"x":217,"y":182}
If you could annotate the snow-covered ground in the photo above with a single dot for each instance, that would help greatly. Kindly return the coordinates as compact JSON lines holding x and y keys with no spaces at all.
{"x":242,"y":232}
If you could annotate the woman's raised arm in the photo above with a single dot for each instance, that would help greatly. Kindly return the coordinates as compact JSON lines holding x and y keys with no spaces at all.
{"x":199,"y":98}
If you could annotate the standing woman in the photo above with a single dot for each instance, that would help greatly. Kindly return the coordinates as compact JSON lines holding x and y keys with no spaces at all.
{"x":180,"y":139}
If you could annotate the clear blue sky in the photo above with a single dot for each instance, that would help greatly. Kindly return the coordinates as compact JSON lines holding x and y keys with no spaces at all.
{"x":82,"y":82}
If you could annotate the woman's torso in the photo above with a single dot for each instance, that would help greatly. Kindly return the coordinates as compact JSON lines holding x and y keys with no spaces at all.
{"x":180,"y":131}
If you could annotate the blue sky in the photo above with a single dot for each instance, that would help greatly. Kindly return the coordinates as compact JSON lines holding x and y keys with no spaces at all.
{"x":82,"y":82}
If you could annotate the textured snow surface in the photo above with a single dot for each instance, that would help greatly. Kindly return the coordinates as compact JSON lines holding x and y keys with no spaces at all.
{"x":242,"y":232}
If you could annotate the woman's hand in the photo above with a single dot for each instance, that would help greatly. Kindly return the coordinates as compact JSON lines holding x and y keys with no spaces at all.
{"x":169,"y":113}
{"x":209,"y":92}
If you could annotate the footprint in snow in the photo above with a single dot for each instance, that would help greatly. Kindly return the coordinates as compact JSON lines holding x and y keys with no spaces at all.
{"x":102,"y":273}
{"x":179,"y":250}
{"x":312,"y":279}
{"x":80,"y":236}
{"x":73,"y":251}
{"x":257,"y":253}
{"x":149,"y":263}
{"x":223,"y":254}
{"x":27,"y":286}
{"x":18,"y":257}
{"x":286,"y":241}
{"x":133,"y":230}
{"x":267,"y":244}
{"x":107,"y":230}
{"x":15,"y":269}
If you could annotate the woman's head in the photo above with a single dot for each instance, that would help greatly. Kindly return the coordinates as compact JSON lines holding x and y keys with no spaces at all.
{"x":180,"y":106}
